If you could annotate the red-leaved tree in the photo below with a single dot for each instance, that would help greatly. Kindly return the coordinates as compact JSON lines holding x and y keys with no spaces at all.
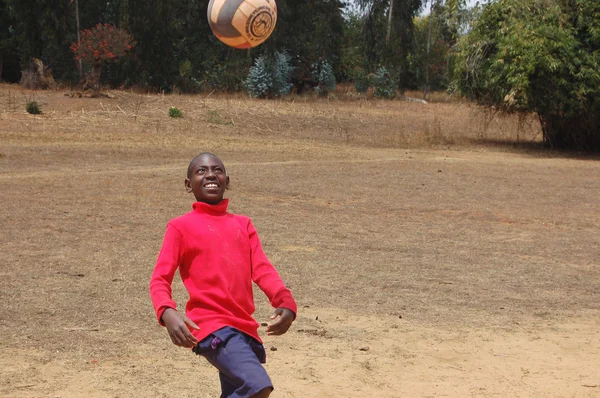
{"x":101,"y":44}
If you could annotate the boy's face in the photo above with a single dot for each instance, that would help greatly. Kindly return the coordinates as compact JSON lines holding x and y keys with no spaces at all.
{"x":207,"y":179}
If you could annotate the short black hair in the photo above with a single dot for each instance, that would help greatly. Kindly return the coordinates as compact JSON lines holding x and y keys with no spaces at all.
{"x":189,"y":170}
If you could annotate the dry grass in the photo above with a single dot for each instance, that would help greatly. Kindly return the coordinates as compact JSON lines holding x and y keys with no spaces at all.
{"x":379,"y":207}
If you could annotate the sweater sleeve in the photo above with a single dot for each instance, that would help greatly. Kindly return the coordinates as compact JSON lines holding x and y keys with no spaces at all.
{"x":162,"y":277}
{"x":266,"y":276}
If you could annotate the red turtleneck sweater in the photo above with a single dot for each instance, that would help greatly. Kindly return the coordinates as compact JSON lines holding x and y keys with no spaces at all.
{"x":218,"y":255}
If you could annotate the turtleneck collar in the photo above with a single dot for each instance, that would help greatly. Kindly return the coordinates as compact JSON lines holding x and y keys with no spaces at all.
{"x":206,"y":208}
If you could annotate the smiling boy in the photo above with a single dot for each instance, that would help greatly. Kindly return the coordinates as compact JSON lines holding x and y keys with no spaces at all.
{"x":219,"y":255}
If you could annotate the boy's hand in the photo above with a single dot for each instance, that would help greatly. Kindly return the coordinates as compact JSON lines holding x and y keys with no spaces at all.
{"x":279,"y":327}
{"x":178,"y":326}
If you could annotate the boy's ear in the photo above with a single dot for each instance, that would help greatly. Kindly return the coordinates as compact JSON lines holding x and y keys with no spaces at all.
{"x":227,"y":182}
{"x":188,"y":185}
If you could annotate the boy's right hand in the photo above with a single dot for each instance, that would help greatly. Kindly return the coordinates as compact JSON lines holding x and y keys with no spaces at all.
{"x":178,"y":326}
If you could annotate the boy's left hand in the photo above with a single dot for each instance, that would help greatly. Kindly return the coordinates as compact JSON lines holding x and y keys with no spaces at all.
{"x":279,"y":327}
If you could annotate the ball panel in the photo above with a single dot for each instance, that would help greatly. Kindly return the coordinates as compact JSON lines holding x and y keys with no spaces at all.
{"x":214,"y":7}
{"x":255,"y":23}
{"x":242,"y":23}
{"x":257,"y":3}
{"x":222,"y":16}
{"x":228,"y":10}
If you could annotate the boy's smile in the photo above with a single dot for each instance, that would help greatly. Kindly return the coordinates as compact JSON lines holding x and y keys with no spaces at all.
{"x":207,"y":178}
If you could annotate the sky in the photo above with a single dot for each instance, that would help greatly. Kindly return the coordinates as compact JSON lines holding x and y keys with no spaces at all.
{"x":470,"y":3}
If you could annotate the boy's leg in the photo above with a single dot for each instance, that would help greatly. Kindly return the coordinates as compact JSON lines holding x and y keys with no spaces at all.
{"x":240,"y":370}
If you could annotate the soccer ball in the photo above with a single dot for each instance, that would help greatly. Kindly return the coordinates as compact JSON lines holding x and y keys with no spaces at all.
{"x":242,"y":23}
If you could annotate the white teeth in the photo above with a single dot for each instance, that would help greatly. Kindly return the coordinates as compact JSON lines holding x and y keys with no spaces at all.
{"x":211,"y":186}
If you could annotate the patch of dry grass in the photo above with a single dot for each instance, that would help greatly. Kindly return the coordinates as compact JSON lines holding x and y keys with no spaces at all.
{"x":105,"y":172}
{"x":381,"y":207}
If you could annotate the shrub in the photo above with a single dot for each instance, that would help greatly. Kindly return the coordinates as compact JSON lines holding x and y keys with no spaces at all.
{"x":224,"y":76}
{"x":259,"y":81}
{"x":361,"y":81}
{"x":323,"y":77}
{"x":537,"y":56}
{"x":175,"y":112}
{"x":187,"y":82}
{"x":100,"y":45}
{"x":385,"y":86}
{"x":270,"y":76}
{"x":33,"y":108}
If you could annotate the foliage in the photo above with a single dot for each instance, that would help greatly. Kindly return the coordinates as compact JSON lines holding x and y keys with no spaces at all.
{"x":43,"y":29}
{"x":176,"y":50}
{"x":401,"y":44}
{"x":259,"y":79}
{"x":539,"y":56}
{"x":270,"y":76}
{"x":309,"y":31}
{"x":323,"y":77}
{"x":225,"y":76}
{"x":102,"y":44}
{"x":428,"y":66}
{"x":9,"y":59}
{"x":385,"y":86}
{"x":353,"y":60}
{"x":33,"y":108}
{"x":362,"y":81}
{"x":175,"y":113}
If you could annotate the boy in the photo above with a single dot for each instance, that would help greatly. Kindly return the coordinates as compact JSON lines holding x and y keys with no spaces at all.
{"x":219,"y":255}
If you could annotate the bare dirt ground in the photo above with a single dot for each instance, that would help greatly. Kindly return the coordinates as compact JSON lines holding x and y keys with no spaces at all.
{"x":434,"y":252}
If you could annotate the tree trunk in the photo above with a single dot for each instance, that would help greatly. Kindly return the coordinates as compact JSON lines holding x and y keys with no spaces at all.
{"x":79,"y":62}
{"x":427,"y":89}
{"x":92,"y":79}
{"x":390,"y":19}
{"x":576,"y":132}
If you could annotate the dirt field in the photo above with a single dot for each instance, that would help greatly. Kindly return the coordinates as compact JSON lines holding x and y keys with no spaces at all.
{"x":433,"y":251}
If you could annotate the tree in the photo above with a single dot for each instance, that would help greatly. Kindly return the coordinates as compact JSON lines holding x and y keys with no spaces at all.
{"x":44,"y":29}
{"x":389,"y":34}
{"x":308,"y":31}
{"x":9,"y":60}
{"x":539,"y":56}
{"x":100,"y":45}
{"x":435,"y":35}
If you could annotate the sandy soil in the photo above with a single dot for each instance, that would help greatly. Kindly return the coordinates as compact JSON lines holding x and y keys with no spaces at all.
{"x":433,"y":252}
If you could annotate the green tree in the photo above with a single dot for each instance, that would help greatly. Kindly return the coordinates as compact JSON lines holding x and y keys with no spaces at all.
{"x":389,"y":35}
{"x":44,"y":29}
{"x":9,"y":58}
{"x":352,"y":59}
{"x":308,"y":31}
{"x":435,"y":34}
{"x":539,"y":56}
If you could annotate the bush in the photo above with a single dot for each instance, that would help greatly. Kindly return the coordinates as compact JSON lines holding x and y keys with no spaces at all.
{"x":187,"y":83}
{"x":259,"y":81}
{"x":362,"y":81}
{"x":33,"y":108}
{"x":385,"y":86}
{"x":175,"y":112}
{"x":537,"y":56}
{"x":323,"y":77}
{"x":101,"y":45}
{"x":269,"y":77}
{"x":226,"y":76}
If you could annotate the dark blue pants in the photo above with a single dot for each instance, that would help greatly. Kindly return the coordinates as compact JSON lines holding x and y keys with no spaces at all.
{"x":239,"y":359}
